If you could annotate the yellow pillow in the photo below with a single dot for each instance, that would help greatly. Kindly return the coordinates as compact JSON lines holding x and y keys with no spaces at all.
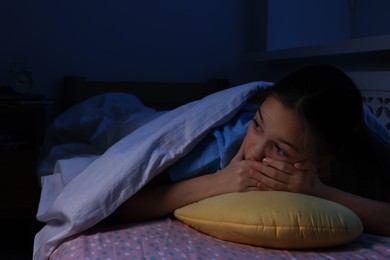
{"x":273,"y":219}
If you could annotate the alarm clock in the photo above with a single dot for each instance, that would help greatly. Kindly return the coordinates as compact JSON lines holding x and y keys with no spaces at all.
{"x":20,"y":79}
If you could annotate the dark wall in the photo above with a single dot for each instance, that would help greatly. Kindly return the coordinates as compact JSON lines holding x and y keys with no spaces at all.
{"x":146,"y":40}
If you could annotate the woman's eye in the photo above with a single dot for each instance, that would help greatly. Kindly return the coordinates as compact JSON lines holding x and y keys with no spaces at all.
{"x":279,"y":151}
{"x":256,"y":125}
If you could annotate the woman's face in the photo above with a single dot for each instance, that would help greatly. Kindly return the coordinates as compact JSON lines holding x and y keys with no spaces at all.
{"x":275,"y":132}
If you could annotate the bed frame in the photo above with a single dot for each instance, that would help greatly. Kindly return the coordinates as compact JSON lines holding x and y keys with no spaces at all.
{"x":161,"y":96}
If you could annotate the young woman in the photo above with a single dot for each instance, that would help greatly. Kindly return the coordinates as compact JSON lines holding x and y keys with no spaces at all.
{"x":308,"y":136}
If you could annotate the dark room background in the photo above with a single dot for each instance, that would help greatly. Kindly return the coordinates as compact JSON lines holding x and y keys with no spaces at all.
{"x":175,"y":40}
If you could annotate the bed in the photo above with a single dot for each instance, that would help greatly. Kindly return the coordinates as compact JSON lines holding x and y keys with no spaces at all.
{"x":73,"y":223}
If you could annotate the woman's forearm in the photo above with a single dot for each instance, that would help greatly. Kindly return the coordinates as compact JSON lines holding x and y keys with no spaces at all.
{"x":375,"y":215}
{"x":159,"y":200}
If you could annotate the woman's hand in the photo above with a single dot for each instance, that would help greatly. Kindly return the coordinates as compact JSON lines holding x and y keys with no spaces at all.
{"x":277,"y":175}
{"x":235,"y":176}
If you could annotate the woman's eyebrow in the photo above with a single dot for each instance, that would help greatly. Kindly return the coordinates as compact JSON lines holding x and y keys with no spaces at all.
{"x":260,"y":115}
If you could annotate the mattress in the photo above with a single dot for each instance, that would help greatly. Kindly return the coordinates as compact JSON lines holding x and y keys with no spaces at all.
{"x":168,"y":238}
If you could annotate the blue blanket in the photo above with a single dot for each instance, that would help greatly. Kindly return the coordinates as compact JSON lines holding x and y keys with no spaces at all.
{"x":85,"y":181}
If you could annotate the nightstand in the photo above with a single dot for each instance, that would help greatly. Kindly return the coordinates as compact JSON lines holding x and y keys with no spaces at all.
{"x":21,"y":132}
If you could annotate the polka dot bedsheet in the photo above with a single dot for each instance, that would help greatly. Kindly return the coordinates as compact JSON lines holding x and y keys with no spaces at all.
{"x":168,"y":238}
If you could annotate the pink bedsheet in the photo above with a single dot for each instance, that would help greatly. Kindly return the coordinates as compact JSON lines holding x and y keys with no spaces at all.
{"x":170,"y":239}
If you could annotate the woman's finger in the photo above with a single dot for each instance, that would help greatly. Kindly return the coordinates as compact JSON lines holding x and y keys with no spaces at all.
{"x":282,"y":166}
{"x":240,"y":154}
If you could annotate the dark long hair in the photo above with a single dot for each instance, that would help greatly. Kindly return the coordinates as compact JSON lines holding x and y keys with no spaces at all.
{"x":331,"y":108}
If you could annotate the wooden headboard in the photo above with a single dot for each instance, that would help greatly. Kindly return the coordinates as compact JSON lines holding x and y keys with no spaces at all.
{"x":158,"y":95}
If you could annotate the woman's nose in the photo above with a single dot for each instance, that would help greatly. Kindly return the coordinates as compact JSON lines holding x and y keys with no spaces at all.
{"x":256,"y":151}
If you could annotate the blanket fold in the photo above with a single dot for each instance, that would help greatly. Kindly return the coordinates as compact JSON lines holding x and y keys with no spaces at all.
{"x":85,"y":189}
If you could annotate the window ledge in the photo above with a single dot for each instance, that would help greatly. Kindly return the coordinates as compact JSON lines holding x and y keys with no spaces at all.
{"x":365,"y":46}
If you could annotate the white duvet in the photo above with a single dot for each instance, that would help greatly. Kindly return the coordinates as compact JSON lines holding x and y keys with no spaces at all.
{"x":83,"y":182}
